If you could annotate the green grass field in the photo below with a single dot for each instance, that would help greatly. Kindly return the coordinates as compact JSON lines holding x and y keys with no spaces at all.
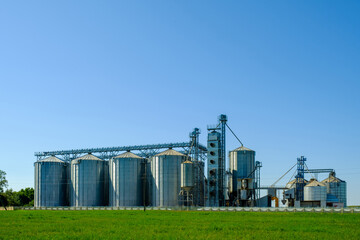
{"x":176,"y":225}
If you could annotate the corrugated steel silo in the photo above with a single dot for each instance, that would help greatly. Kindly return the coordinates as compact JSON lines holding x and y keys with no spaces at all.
{"x":187,"y":175}
{"x":50,"y":183}
{"x":242,"y":166}
{"x":315,"y":191}
{"x":166,"y":177}
{"x":89,"y":186}
{"x":125,"y":180}
{"x":337,"y":187}
{"x":148,"y":183}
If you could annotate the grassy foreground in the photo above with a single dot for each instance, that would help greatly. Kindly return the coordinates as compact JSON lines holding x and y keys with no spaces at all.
{"x":176,"y":225}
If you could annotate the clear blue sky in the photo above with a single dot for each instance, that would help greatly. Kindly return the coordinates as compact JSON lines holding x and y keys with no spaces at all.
{"x":77,"y":74}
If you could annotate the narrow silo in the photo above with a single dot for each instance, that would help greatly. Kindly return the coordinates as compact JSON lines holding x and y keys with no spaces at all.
{"x":166,"y":178}
{"x":89,"y":186}
{"x":242,"y":168}
{"x":125,"y":186}
{"x":148,"y":183}
{"x":187,"y":184}
{"x":50,"y":183}
{"x":315,"y":191}
{"x":187,"y":175}
{"x":337,"y":187}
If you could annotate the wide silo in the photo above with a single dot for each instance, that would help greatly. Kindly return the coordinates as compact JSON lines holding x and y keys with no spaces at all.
{"x":89,"y":186}
{"x":242,"y":166}
{"x":315,"y":191}
{"x":337,"y":187}
{"x":50,"y":183}
{"x":166,"y":177}
{"x":125,"y":180}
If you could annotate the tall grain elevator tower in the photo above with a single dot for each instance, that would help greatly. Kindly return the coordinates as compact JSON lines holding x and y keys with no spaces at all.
{"x":216,"y":163}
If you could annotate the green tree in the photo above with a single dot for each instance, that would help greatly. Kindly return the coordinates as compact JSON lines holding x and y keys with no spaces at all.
{"x":3,"y":185}
{"x":3,"y":200}
{"x":12,"y":197}
{"x":3,"y":181}
{"x":26,"y":196}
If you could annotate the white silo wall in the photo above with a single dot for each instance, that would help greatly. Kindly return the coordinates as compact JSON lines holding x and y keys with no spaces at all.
{"x":125,"y":180}
{"x":166,"y":178}
{"x":315,"y":193}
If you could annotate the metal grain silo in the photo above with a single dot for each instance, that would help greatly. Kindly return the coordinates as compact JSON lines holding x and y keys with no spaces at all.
{"x":125,"y":184}
{"x":89,"y":186}
{"x":315,"y":191}
{"x":187,"y":175}
{"x":148,"y":183}
{"x":50,"y":183}
{"x":166,"y":177}
{"x":242,"y":166}
{"x":337,"y":187}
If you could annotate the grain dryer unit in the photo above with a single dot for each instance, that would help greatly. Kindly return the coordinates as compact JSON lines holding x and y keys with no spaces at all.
{"x":214,"y":170}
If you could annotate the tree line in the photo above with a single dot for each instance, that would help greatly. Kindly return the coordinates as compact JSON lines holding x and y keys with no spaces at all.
{"x":9,"y":197}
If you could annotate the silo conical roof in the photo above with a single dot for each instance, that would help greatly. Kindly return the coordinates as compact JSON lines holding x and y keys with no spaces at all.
{"x":294,"y":180}
{"x":170,"y":152}
{"x":128,"y":155}
{"x":292,"y":183}
{"x":331,"y":179}
{"x":242,"y":148}
{"x":51,"y":159}
{"x":89,"y":157}
{"x":315,"y":183}
{"x":187,"y":161}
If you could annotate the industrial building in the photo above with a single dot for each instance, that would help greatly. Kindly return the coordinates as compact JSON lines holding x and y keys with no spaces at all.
{"x":331,"y":192}
{"x":176,"y":174}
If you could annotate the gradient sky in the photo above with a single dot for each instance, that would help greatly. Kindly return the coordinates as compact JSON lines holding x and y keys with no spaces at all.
{"x":79,"y":74}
